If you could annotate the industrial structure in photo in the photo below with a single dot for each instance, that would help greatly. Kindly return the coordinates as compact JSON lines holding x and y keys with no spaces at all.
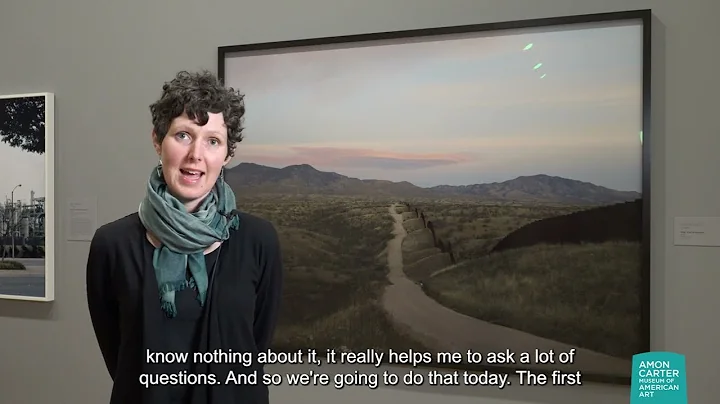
{"x":22,"y":227}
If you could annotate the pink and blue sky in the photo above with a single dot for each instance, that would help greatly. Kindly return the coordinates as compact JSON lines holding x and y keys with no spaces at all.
{"x":464,"y":110}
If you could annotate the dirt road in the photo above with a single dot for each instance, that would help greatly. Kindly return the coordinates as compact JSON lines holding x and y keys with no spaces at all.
{"x":442,"y":329}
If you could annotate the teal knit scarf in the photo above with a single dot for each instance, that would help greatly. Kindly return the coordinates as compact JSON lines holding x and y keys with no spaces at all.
{"x":184,"y":236}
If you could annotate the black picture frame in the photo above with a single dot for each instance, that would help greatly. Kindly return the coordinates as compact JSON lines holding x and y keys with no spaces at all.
{"x":641,"y":17}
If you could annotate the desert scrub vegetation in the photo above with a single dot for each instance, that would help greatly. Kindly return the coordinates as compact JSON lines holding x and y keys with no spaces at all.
{"x":584,"y":295}
{"x":335,"y":271}
{"x":474,"y":228}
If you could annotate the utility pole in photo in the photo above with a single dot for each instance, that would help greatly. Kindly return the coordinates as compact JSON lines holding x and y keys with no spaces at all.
{"x":13,"y":220}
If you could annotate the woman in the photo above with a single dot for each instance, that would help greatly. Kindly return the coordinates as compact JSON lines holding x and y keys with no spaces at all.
{"x":187,"y":273}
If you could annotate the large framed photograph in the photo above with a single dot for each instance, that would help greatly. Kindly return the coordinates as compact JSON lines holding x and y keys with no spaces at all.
{"x":460,"y":189}
{"x":27,"y":188}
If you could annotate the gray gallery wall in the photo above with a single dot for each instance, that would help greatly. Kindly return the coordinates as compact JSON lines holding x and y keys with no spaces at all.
{"x":106,"y":61}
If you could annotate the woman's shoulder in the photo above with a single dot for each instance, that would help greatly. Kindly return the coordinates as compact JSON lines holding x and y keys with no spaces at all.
{"x":256,"y":228}
{"x":257,"y":236}
{"x":119,"y":230}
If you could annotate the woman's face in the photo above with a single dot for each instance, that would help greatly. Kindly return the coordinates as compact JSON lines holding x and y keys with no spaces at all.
{"x":192,"y":157}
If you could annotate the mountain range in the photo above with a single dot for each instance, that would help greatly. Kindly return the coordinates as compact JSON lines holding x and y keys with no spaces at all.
{"x":305,"y":179}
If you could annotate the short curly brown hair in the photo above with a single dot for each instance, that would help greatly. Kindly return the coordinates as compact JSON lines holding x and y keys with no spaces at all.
{"x":198,"y":94}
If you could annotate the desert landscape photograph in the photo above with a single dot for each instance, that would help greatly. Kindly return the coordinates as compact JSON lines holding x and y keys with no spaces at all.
{"x":470,"y":192}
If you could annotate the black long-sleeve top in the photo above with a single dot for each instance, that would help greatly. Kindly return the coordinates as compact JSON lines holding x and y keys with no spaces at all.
{"x":239,"y":315}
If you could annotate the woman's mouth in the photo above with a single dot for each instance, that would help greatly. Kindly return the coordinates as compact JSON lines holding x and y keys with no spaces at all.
{"x":191,"y":176}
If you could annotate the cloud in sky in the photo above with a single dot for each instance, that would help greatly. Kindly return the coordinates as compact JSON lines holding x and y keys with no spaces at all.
{"x":343,"y":158}
{"x":21,"y":167}
{"x":455,"y":110}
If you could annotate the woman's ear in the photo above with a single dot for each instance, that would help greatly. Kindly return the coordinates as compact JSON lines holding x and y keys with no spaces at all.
{"x":156,"y":142}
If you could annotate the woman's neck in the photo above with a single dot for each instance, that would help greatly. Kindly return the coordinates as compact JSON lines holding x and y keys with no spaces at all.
{"x":193,"y":205}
